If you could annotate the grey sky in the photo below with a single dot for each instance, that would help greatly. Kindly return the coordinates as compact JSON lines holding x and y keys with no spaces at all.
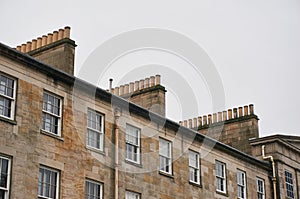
{"x":254,"y":45}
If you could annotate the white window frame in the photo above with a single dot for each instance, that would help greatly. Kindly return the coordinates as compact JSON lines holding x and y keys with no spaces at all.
{"x":43,"y":194}
{"x":48,"y":113}
{"x":6,"y":189}
{"x":289,"y":184}
{"x":221,"y":177}
{"x":194,"y":167}
{"x":99,"y":130}
{"x":241,"y":184}
{"x":260,"y":188}
{"x":132,"y":195}
{"x":135,"y":147}
{"x":87,"y":192}
{"x":165,"y":160}
{"x":11,"y":99}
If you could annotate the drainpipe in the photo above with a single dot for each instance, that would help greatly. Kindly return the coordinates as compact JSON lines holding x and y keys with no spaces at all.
{"x":273,"y":169}
{"x":116,"y":128}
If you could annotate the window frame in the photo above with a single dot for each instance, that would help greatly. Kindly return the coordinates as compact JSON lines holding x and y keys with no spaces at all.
{"x":197,"y":168}
{"x":11,"y":99}
{"x":95,"y":183}
{"x":242,"y":185}
{"x":170,"y":158}
{"x":7,"y":189}
{"x":100,"y":132}
{"x":260,"y":192}
{"x":57,"y":185}
{"x":138,"y":146}
{"x":222,"y":178}
{"x":133,"y":193}
{"x":59,"y":117}
{"x":289,"y":185}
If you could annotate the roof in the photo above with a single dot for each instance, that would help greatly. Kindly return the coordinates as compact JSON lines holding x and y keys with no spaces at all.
{"x":122,"y":103}
{"x":289,"y":141}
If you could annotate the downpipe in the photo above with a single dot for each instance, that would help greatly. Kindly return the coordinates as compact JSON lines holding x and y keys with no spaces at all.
{"x":116,"y":129}
{"x":273,"y":169}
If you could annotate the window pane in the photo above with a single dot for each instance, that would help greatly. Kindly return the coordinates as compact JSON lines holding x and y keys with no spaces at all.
{"x":50,"y":123}
{"x":132,"y":143}
{"x":5,"y":106}
{"x":132,"y":135}
{"x":6,"y":86}
{"x":94,"y":139}
{"x":289,"y":184}
{"x":132,"y":195}
{"x":93,"y":190}
{"x":194,"y":166}
{"x":165,"y":156}
{"x":10,"y":92}
{"x":2,"y":192}
{"x":220,"y":176}
{"x":193,"y":159}
{"x":51,"y":113}
{"x":47,"y":186}
{"x":3,"y":172}
{"x":164,"y":148}
{"x":218,"y":169}
{"x":94,"y":120}
{"x":51,"y":104}
{"x":260,"y":188}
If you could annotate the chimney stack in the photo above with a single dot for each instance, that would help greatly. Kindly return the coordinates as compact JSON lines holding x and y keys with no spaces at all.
{"x":55,"y":49}
{"x":147,"y":92}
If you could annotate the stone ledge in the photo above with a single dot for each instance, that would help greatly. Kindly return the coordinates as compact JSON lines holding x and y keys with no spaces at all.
{"x":134,"y":163}
{"x":95,"y":150}
{"x":222,"y":193}
{"x":166,"y":174}
{"x":195,"y":184}
{"x":51,"y":135}
{"x":13,"y":122}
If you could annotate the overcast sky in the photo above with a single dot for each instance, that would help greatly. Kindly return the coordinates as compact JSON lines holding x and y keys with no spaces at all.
{"x":254,"y":46}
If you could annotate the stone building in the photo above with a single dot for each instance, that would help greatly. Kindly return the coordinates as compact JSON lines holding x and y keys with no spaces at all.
{"x":62,"y":137}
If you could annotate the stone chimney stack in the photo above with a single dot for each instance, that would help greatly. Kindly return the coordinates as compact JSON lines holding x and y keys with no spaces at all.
{"x":148,"y":93}
{"x":55,"y":49}
{"x":234,"y":127}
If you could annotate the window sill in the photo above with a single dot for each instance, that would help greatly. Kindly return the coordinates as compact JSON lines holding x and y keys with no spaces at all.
{"x":195,"y":184}
{"x":51,"y":135}
{"x":222,"y":193}
{"x":4,"y":119}
{"x":95,"y":150}
{"x":166,"y":174}
{"x":133,"y":163}
{"x":42,"y":197}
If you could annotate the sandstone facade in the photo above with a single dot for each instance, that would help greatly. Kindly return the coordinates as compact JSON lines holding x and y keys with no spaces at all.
{"x":29,"y":148}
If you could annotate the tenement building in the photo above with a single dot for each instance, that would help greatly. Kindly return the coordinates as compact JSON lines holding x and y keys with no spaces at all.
{"x":62,"y":137}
